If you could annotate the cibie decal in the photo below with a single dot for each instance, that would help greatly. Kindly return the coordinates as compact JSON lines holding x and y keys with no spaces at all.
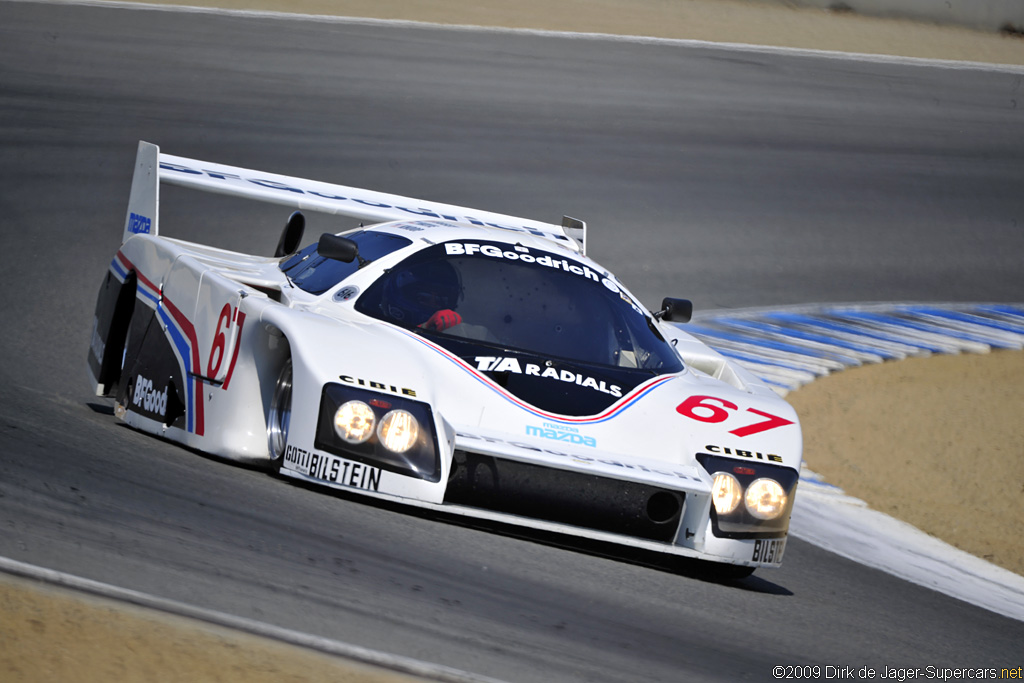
{"x":149,"y":399}
{"x":501,"y":364}
{"x":379,"y":386}
{"x":740,"y":453}
{"x":557,"y":432}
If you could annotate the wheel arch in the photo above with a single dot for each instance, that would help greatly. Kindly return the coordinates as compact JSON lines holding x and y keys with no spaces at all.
{"x":271,"y":354}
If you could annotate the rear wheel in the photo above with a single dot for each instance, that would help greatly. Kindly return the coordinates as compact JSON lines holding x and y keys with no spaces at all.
{"x":280,"y":416}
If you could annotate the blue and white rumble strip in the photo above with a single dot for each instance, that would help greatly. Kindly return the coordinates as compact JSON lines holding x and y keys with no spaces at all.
{"x":790,"y":347}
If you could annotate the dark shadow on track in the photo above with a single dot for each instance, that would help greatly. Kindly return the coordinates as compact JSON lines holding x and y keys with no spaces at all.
{"x":101,"y":408}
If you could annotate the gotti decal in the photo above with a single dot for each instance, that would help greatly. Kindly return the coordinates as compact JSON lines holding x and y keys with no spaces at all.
{"x":499,"y":364}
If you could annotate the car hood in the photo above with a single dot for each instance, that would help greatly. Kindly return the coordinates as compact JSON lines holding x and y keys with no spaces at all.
{"x":506,"y":402}
{"x":503,"y":402}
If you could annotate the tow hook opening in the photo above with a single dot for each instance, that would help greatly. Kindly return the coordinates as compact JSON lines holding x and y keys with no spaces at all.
{"x":663,"y":507}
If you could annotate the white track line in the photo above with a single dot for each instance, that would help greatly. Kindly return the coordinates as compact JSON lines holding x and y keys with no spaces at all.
{"x":681,"y":42}
{"x":430,"y":672}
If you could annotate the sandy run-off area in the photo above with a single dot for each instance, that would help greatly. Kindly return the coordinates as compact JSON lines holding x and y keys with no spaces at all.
{"x":935,"y":442}
{"x":731,"y":21}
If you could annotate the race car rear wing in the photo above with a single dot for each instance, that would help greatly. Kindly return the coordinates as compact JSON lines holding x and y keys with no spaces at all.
{"x":153,"y":168}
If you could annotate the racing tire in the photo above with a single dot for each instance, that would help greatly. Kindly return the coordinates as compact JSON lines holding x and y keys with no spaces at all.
{"x":279,"y":416}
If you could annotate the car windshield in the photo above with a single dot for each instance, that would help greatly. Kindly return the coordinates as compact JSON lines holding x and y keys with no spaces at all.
{"x":523,"y":299}
{"x":316,"y":274}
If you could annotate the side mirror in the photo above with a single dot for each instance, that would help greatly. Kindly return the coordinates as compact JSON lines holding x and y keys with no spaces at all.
{"x":291,"y":235}
{"x":338,"y":248}
{"x":675,"y":310}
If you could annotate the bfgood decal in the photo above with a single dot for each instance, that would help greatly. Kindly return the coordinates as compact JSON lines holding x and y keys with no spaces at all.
{"x":149,"y":399}
{"x":500,"y":364}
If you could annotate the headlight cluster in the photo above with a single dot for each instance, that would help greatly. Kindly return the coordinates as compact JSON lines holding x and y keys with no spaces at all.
{"x":397,"y":431}
{"x":390,"y":432}
{"x":749,"y":501}
{"x":764,"y":498}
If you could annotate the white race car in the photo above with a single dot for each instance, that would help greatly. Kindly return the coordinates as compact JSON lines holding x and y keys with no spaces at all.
{"x":463,"y":361}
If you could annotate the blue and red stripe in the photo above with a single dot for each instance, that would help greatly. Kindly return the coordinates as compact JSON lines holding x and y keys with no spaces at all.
{"x":182,"y":335}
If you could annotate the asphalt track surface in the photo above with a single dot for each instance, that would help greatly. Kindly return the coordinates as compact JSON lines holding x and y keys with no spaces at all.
{"x":735,"y":178}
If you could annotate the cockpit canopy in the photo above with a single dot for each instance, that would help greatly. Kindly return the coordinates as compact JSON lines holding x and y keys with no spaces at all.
{"x":520,"y":299}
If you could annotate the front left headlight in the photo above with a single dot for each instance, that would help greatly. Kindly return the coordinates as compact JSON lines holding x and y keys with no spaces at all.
{"x":726,"y":493}
{"x":394,"y":433}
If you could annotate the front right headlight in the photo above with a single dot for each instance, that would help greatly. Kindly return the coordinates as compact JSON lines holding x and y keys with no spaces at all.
{"x":750,"y":499}
{"x":354,"y":422}
{"x":765,"y":499}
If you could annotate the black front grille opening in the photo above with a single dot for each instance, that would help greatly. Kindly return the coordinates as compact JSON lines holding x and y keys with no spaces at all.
{"x":574,"y":498}
{"x":664,"y":507}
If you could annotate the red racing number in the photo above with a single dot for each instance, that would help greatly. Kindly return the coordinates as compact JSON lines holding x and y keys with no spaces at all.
{"x":228,"y":316}
{"x":712,"y":409}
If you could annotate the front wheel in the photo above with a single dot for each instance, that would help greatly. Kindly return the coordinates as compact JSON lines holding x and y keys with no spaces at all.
{"x":280,"y":416}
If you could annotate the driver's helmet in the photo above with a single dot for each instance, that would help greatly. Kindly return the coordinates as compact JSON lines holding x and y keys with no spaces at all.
{"x":413,"y":294}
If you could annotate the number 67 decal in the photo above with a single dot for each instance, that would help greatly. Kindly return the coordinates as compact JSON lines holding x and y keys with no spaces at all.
{"x":229,"y":322}
{"x":712,"y":409}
